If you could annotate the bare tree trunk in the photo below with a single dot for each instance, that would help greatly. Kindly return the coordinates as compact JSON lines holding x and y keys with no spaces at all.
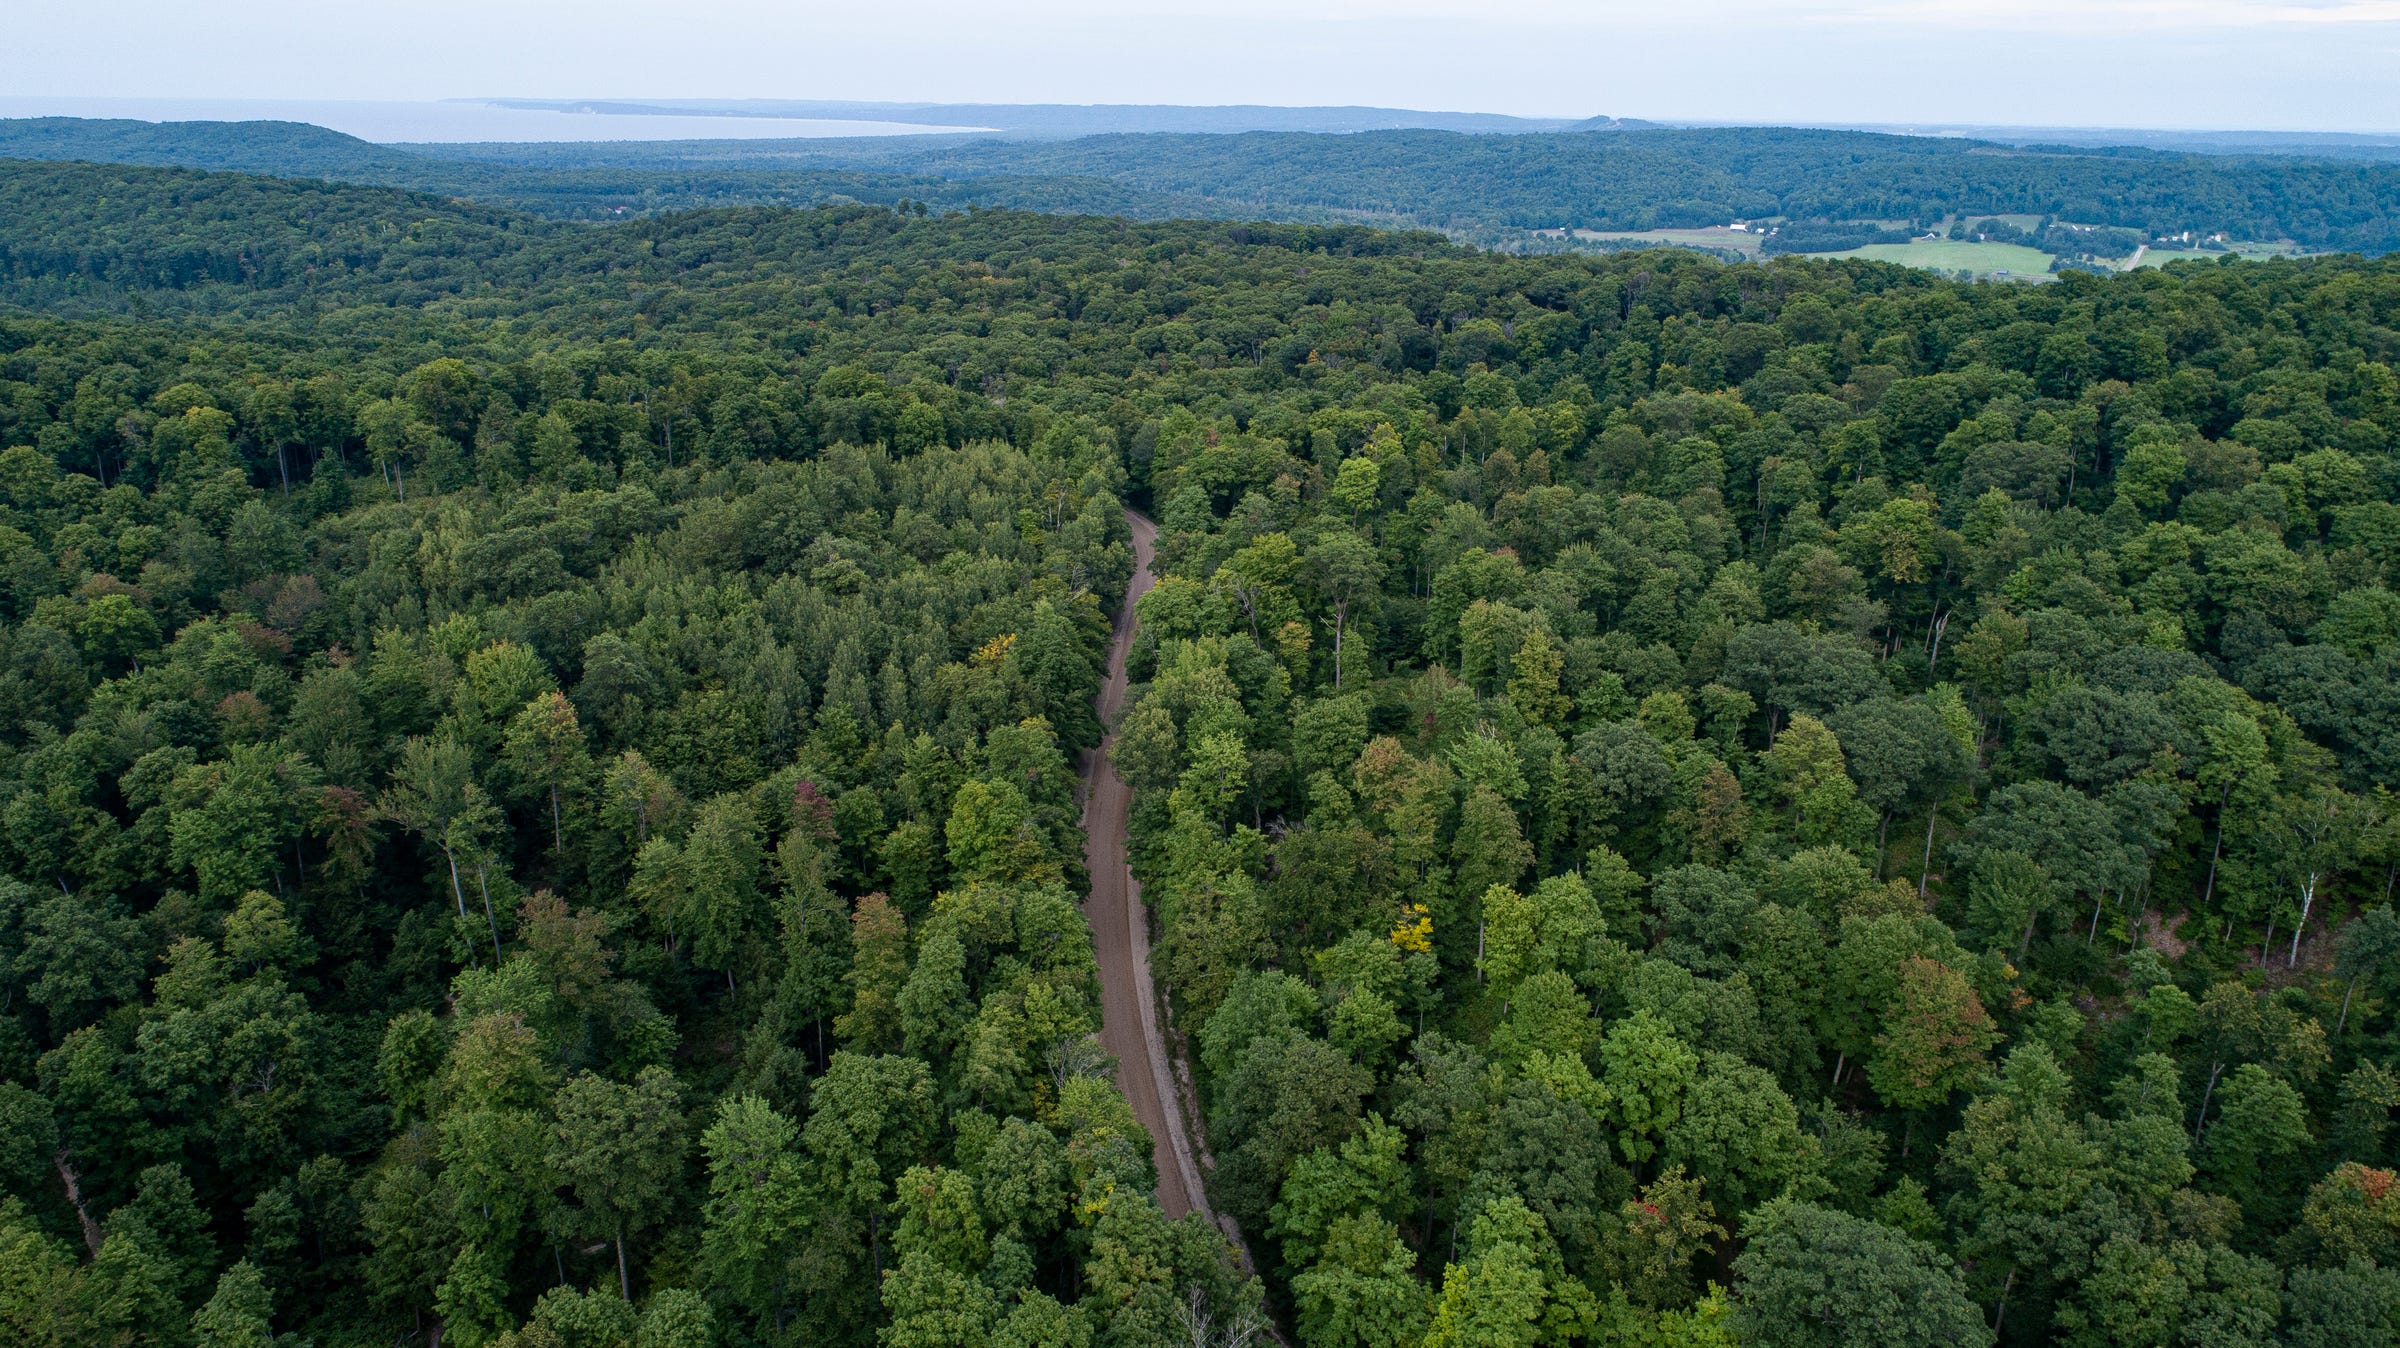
{"x":1340,"y":614}
{"x":2218,"y":850}
{"x":2308,"y":899}
{"x":2345,"y":1018}
{"x":457,"y":890}
{"x":624,"y":1279}
{"x":1925,"y":875}
{"x":483,"y":882}
{"x":2201,"y":1125}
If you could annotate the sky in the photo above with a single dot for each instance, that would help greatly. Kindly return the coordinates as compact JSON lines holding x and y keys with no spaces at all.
{"x":2212,"y":64}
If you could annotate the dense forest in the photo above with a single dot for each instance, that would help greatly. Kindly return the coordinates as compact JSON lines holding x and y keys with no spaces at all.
{"x":1682,"y":803}
{"x":1485,"y":189}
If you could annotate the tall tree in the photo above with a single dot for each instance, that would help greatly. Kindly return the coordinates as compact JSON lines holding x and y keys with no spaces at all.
{"x":619,"y":1148}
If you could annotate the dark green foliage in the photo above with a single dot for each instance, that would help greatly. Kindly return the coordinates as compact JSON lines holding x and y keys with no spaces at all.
{"x":1816,"y":1278}
{"x":1835,"y":189}
{"x":526,"y":744}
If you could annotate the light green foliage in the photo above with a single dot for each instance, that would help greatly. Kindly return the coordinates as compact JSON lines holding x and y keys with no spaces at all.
{"x":2260,"y":1121}
{"x":938,"y":1219}
{"x":1548,"y":1015}
{"x":1549,"y":930}
{"x":1648,"y":1070}
{"x":1510,"y":1289}
{"x":1365,"y":1174}
{"x":1361,"y":1292}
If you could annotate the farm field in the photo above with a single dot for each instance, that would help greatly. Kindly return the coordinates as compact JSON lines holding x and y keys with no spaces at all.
{"x":1712,"y":236}
{"x":1953,"y":255}
{"x":2159,"y":257}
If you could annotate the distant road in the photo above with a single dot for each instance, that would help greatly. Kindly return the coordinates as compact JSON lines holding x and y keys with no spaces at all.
{"x":1129,"y":1007}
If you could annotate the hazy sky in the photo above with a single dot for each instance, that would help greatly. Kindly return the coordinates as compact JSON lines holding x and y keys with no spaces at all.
{"x":2321,"y":64}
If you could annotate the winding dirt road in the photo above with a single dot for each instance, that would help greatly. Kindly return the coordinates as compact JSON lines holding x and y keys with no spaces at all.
{"x":1129,"y":1007}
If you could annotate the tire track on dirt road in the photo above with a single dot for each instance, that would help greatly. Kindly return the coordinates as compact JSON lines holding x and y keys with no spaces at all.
{"x":1130,"y":1013}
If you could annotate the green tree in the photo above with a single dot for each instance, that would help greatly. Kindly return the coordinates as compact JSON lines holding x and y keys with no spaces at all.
{"x":433,"y":795}
{"x":1810,"y":1276}
{"x":2008,"y":893}
{"x":1511,"y":1288}
{"x":1361,"y":1291}
{"x":1356,"y":484}
{"x":1365,"y":1174}
{"x":232,"y":820}
{"x":934,"y":1004}
{"x":545,"y":747}
{"x":2261,"y":1121}
{"x":1648,"y":1070}
{"x":2369,"y":949}
{"x":236,"y":1313}
{"x":755,"y":1210}
{"x":1490,"y":849}
{"x":619,"y":1148}
{"x":1345,"y":570}
{"x":1739,"y":1132}
{"x":878,"y":974}
{"x":1935,"y":1035}
{"x":722,"y":907}
{"x":871,"y":1118}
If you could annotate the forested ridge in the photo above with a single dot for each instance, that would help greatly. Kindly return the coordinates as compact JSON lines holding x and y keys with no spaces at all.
{"x":1682,"y":803}
{"x":1490,"y":189}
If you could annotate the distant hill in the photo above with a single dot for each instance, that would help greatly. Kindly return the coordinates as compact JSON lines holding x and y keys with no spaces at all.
{"x":2304,"y":144}
{"x":290,"y":149}
{"x":1489,"y":189}
{"x":1494,"y":189}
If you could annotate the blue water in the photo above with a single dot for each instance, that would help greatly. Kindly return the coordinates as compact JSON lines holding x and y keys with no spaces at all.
{"x":457,"y":121}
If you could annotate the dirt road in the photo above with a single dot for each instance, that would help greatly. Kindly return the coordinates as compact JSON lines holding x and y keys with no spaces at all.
{"x":1129,"y":1010}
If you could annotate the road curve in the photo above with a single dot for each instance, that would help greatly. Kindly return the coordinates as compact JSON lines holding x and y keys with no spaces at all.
{"x":1129,"y":1006}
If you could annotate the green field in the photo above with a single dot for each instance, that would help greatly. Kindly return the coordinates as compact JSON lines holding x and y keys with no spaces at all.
{"x":2159,"y":257}
{"x":2024,"y":222}
{"x":1712,"y":236}
{"x":1947,"y":255}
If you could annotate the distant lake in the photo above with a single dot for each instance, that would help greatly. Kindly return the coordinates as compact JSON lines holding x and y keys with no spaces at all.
{"x":460,"y":121}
